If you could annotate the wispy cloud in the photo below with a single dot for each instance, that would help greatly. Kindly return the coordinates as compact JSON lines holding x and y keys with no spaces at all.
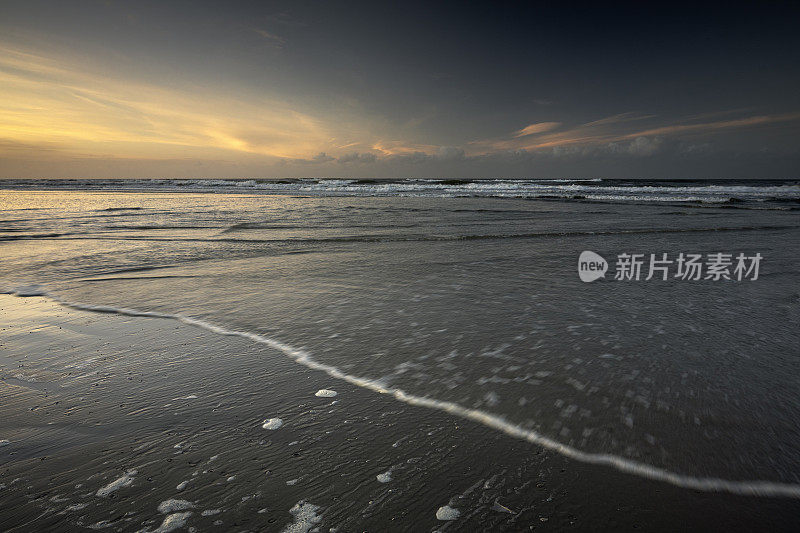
{"x":58,"y":106}
{"x":617,"y":129}
{"x":539,"y":127}
{"x":709,"y":127}
{"x":397,"y":147}
{"x":59,"y":103}
{"x":275,"y":40}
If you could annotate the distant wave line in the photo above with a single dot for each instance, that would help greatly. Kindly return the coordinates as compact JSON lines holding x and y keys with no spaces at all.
{"x":398,"y":238}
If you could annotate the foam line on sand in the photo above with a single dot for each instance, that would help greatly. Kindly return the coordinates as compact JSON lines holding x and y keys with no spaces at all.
{"x":708,"y":484}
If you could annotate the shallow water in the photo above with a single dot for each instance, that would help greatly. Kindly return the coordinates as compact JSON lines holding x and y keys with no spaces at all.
{"x":469,"y":304}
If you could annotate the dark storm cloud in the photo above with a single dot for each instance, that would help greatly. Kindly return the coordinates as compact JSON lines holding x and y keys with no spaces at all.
{"x":356,"y":157}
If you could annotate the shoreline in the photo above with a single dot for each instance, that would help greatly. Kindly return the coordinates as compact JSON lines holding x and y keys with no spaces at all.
{"x":453,"y":460}
{"x":754,"y":488}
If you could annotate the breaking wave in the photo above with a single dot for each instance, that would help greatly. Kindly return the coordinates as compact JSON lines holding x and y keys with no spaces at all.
{"x":722,"y":192}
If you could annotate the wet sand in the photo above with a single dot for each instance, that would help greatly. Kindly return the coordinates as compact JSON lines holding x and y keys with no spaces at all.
{"x":108,"y":417}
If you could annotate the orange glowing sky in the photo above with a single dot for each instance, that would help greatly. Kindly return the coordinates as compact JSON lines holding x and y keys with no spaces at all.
{"x":271,"y":105}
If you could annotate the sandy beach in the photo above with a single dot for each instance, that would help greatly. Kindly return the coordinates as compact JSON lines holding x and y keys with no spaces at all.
{"x":110,"y":417}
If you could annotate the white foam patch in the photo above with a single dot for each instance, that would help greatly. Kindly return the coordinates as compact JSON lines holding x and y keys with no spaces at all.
{"x":76,"y":507}
{"x":325,"y":393}
{"x":182,"y":485}
{"x":745,"y":488}
{"x":172,"y":506}
{"x":272,"y":423}
{"x":124,"y":481}
{"x":173,"y":522}
{"x":386,"y":477}
{"x":305,"y":517}
{"x":447,"y":513}
{"x":211,"y":512}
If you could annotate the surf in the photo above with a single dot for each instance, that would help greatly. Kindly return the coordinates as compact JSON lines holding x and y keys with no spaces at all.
{"x":759,"y":488}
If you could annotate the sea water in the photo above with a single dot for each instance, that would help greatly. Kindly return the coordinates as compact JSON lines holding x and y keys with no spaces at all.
{"x":463,"y":297}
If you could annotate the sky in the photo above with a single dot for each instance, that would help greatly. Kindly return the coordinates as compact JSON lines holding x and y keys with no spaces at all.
{"x":365,"y":89}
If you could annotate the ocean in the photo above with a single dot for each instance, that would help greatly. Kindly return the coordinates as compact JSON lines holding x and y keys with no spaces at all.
{"x":157,"y":331}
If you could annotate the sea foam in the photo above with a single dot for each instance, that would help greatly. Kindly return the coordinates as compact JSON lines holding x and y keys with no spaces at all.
{"x":171,"y":506}
{"x":173,"y":522}
{"x":272,"y":423}
{"x":745,"y":488}
{"x":305,"y":517}
{"x":447,"y":513}
{"x":125,"y":480}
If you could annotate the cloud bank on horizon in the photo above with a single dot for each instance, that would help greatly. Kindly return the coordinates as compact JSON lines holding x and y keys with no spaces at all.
{"x":117,"y":89}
